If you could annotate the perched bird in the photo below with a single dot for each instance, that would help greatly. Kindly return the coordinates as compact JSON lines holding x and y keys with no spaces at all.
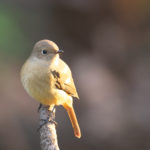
{"x":48,"y":79}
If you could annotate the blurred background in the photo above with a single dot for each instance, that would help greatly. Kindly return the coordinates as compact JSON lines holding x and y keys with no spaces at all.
{"x":107,"y":46}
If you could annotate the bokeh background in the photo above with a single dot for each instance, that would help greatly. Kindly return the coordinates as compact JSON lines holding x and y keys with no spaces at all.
{"x":107,"y":46}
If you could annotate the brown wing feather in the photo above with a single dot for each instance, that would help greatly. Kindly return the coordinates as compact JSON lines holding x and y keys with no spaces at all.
{"x":62,"y":75}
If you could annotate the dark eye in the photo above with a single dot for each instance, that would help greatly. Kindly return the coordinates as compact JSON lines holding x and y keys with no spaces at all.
{"x":44,"y":51}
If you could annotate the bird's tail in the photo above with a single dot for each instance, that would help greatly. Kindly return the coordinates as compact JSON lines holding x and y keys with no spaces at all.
{"x":73,"y":119}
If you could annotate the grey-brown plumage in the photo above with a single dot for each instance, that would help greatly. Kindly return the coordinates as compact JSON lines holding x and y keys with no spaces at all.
{"x":63,"y":79}
{"x":48,"y":79}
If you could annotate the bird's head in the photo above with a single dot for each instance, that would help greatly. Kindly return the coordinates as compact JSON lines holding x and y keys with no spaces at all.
{"x":45,"y":49}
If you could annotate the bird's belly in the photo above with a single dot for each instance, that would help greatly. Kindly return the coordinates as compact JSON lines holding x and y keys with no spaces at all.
{"x":39,"y":88}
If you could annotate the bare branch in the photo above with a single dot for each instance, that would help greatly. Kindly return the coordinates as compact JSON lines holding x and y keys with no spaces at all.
{"x":48,"y":134}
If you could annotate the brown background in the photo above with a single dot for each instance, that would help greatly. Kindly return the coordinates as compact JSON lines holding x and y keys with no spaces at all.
{"x":107,"y":46}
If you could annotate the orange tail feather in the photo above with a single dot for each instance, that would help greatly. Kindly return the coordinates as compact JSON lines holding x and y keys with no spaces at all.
{"x":73,"y":119}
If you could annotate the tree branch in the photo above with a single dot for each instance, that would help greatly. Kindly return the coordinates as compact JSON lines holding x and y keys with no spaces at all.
{"x":48,"y":134}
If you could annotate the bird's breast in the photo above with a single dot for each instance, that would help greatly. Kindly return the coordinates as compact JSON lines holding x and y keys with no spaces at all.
{"x":36,"y":81}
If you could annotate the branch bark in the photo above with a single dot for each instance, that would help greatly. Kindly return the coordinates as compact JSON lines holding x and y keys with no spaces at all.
{"x":48,"y":133}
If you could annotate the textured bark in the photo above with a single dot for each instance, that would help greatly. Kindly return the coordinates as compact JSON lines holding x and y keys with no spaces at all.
{"x":48,"y":134}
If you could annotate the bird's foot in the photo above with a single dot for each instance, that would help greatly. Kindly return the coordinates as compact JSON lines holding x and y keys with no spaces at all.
{"x":45,"y":121}
{"x":50,"y":118}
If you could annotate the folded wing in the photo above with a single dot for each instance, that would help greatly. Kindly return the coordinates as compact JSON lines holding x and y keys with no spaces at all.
{"x":63,"y":80}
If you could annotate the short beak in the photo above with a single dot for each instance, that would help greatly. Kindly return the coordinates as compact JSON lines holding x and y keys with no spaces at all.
{"x":60,"y":51}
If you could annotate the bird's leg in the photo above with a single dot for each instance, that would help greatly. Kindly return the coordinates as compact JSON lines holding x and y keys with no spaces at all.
{"x":51,"y":116}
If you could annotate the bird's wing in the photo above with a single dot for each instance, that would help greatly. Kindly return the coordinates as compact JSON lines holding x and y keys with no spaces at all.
{"x":63,"y":80}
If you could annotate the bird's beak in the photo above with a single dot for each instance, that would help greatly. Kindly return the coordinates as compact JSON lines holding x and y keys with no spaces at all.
{"x":60,"y":51}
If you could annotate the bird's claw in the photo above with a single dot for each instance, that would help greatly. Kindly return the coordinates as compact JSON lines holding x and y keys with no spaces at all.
{"x":45,"y":122}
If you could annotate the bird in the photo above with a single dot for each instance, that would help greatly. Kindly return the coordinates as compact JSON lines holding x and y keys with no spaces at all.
{"x":48,"y":79}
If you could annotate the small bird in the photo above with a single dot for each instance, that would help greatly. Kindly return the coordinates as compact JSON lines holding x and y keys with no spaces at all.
{"x":48,"y":79}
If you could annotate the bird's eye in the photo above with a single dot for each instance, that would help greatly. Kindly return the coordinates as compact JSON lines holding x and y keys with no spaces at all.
{"x":44,"y":51}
